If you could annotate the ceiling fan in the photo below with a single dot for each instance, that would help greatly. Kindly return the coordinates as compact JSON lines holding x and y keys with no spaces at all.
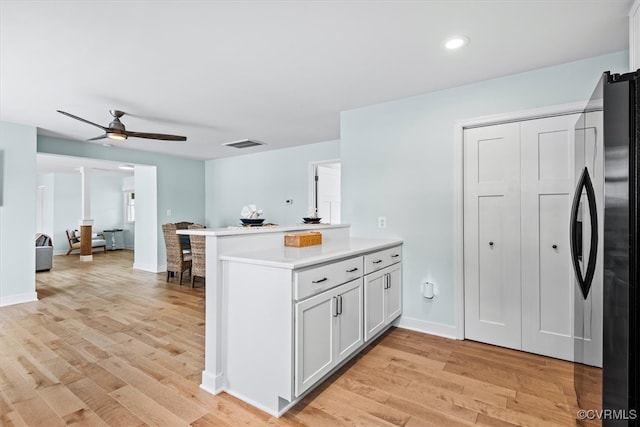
{"x":116,"y":129}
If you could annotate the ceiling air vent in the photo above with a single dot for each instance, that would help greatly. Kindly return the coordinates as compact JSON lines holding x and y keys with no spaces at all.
{"x":243,"y":143}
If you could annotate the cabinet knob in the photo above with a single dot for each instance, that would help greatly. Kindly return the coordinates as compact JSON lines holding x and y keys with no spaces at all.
{"x":490,"y":243}
{"x":555,"y":246}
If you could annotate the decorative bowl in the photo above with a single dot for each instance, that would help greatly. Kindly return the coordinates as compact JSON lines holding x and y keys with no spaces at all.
{"x":252,"y":221}
{"x":312,"y":220}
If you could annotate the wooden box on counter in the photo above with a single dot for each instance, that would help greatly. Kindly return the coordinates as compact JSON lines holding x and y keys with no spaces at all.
{"x":300,"y":240}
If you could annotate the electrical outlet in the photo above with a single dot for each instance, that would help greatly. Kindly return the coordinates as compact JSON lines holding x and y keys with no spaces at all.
{"x":382,"y":222}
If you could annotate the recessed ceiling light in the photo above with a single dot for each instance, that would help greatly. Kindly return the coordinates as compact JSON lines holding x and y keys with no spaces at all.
{"x":456,"y":42}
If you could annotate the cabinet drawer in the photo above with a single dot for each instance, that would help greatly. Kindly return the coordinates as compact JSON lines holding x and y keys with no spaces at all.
{"x":315,"y":280}
{"x":382,"y":259}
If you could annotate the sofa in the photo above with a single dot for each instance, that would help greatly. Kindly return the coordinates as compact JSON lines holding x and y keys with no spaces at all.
{"x":44,"y":252}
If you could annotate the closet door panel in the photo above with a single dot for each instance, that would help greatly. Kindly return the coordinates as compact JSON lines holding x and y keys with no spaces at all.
{"x":492,"y":234}
{"x":554,"y":293}
{"x":547,"y":192}
{"x":491,"y":283}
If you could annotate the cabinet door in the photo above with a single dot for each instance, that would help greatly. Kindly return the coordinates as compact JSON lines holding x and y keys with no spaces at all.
{"x":393,"y":293}
{"x":349,"y":326}
{"x":314,"y":349}
{"x":374,"y":304}
{"x":492,"y":234}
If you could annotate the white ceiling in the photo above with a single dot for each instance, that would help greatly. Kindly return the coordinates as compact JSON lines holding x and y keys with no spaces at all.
{"x":275,"y":71}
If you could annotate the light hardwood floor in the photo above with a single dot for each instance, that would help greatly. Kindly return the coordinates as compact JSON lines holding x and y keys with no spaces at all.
{"x":110,"y":345}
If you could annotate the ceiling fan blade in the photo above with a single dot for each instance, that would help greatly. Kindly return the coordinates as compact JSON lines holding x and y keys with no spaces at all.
{"x":160,"y":136}
{"x":98,"y":137}
{"x":81,"y":119}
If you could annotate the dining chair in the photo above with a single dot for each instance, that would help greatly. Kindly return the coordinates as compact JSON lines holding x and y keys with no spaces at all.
{"x":198,"y":254}
{"x":177,"y":260}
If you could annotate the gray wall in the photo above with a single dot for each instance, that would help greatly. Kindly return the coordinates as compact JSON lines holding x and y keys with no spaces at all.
{"x":17,"y":213}
{"x":265,"y":179}
{"x":398,"y":162}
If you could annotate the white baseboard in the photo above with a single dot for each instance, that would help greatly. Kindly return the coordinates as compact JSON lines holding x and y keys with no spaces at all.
{"x":149,"y":267}
{"x":432,"y":328}
{"x":211,"y":383}
{"x":18,"y":298}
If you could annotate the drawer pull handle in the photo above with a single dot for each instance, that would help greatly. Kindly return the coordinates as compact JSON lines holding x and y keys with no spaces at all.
{"x":324,"y":279}
{"x":395,"y":255}
{"x":377,"y":261}
{"x":352,"y":270}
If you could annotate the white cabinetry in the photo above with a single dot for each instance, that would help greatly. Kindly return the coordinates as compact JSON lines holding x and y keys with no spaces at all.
{"x":382,"y":290}
{"x":290,"y":320}
{"x":328,"y":330}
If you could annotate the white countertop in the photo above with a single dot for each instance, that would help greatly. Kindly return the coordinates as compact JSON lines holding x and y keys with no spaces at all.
{"x":292,"y":258}
{"x":239,"y":230}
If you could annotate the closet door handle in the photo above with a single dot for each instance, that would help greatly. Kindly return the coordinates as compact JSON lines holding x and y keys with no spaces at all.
{"x":339,"y":304}
{"x":334,"y":303}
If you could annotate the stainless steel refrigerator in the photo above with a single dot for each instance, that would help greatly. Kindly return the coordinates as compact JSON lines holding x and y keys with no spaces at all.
{"x":616,"y":234}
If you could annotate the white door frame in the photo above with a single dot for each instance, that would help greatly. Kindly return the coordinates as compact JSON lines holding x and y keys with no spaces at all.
{"x":311,"y":181}
{"x":458,"y":184}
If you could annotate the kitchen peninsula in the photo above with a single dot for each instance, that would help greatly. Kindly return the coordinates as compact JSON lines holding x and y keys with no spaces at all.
{"x":280,"y":319}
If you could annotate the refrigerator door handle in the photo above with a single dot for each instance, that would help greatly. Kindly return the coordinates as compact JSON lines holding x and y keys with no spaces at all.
{"x":576,"y":235}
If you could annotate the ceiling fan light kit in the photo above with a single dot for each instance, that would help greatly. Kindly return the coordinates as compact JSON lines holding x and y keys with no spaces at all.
{"x":113,"y":135}
{"x":117,"y":131}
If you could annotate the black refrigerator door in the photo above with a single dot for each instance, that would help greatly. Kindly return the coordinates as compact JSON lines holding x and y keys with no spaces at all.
{"x":585,"y":238}
{"x":620,"y":298}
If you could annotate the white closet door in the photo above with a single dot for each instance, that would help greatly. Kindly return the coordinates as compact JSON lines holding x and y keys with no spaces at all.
{"x":492,"y":234}
{"x":548,"y":147}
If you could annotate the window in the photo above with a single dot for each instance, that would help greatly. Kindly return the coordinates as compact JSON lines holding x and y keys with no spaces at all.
{"x":130,"y":207}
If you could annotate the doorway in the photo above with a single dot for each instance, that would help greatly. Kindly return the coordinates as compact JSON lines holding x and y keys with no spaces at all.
{"x":324,"y":190}
{"x":58,"y":202}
